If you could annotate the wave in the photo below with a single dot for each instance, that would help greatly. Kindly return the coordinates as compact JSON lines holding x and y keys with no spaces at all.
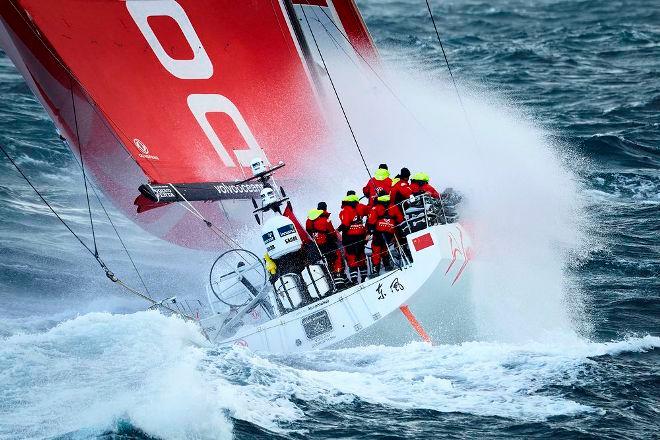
{"x":617,"y":150}
{"x":102,"y":372}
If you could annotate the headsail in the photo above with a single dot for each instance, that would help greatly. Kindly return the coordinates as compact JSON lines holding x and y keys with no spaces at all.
{"x":165,"y":91}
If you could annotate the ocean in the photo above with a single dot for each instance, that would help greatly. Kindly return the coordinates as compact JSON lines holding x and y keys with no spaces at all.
{"x":560,"y":163}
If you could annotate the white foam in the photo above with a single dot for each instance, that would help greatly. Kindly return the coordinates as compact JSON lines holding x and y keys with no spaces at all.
{"x":99,"y":368}
{"x":160,"y":375}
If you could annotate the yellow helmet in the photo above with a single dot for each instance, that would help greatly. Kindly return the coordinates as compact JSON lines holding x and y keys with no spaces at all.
{"x":422,"y":177}
{"x":381,"y":174}
{"x":313,"y":214}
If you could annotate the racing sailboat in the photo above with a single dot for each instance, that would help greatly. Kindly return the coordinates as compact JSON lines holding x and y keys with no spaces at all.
{"x":171,"y":103}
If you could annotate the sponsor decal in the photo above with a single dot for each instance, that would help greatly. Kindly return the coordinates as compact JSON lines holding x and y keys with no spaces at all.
{"x":379,"y":290}
{"x":268,"y":237}
{"x":246,"y":188}
{"x":291,"y":239}
{"x":144,"y":151}
{"x":395,"y":286}
{"x":457,"y":248}
{"x":286,"y":230}
{"x":140,"y":146}
{"x":241,"y":343}
{"x":319,"y":304}
{"x":316,"y":324}
{"x":163,"y":193}
{"x":199,"y":67}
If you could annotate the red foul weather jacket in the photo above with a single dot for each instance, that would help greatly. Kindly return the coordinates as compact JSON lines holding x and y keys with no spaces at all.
{"x":374,"y":186}
{"x":418,"y":189}
{"x":321,"y":229}
{"x":351,"y":216}
{"x":384,"y":218}
{"x":400,"y":191}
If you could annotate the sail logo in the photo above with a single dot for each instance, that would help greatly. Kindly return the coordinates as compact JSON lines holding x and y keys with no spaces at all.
{"x":199,"y":67}
{"x":144,"y":151}
{"x":140,"y":146}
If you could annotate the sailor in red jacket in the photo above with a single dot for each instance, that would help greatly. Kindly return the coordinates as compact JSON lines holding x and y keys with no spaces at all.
{"x":320,"y":228}
{"x":420,"y":185}
{"x":380,"y":182}
{"x":383,"y":221}
{"x":354,"y":235}
{"x":401,"y":189}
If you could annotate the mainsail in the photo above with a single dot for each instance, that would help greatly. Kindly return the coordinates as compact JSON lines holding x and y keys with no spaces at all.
{"x":178,"y":92}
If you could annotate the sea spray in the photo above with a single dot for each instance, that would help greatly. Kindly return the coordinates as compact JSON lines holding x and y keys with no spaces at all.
{"x":521,"y":200}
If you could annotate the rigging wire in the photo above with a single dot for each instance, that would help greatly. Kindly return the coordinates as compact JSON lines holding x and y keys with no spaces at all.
{"x":451,"y":75}
{"x":332,"y":83}
{"x":194,"y":211}
{"x":111,"y":276}
{"x":89,"y":208}
{"x":373,"y":70}
{"x":82,"y":165}
{"x":50,"y":206}
{"x":128,"y":254}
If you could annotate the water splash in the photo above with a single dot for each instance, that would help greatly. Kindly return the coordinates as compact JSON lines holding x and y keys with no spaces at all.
{"x":522,"y":200}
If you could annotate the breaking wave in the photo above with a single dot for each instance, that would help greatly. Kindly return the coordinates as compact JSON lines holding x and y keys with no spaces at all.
{"x":100,"y":372}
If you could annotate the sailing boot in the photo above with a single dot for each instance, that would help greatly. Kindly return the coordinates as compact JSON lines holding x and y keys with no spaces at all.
{"x":353,"y":276}
{"x":363,"y":273}
{"x":339,"y":278}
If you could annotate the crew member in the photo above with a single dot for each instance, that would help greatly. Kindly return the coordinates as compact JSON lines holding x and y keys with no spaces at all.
{"x":382,"y":222}
{"x":419,"y":184}
{"x":379,"y":182}
{"x":354,"y":235}
{"x":401,"y":190}
{"x":320,"y":228}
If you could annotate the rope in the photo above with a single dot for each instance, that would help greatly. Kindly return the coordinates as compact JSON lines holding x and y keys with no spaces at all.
{"x":332,"y":83}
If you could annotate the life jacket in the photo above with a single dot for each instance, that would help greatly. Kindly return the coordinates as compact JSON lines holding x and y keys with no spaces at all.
{"x":351,"y":216}
{"x":320,"y":228}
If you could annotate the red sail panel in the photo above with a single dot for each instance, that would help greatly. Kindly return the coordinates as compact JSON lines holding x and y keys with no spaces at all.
{"x":182,"y":91}
{"x":356,"y":29}
{"x":192,"y":95}
{"x":348,"y":18}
